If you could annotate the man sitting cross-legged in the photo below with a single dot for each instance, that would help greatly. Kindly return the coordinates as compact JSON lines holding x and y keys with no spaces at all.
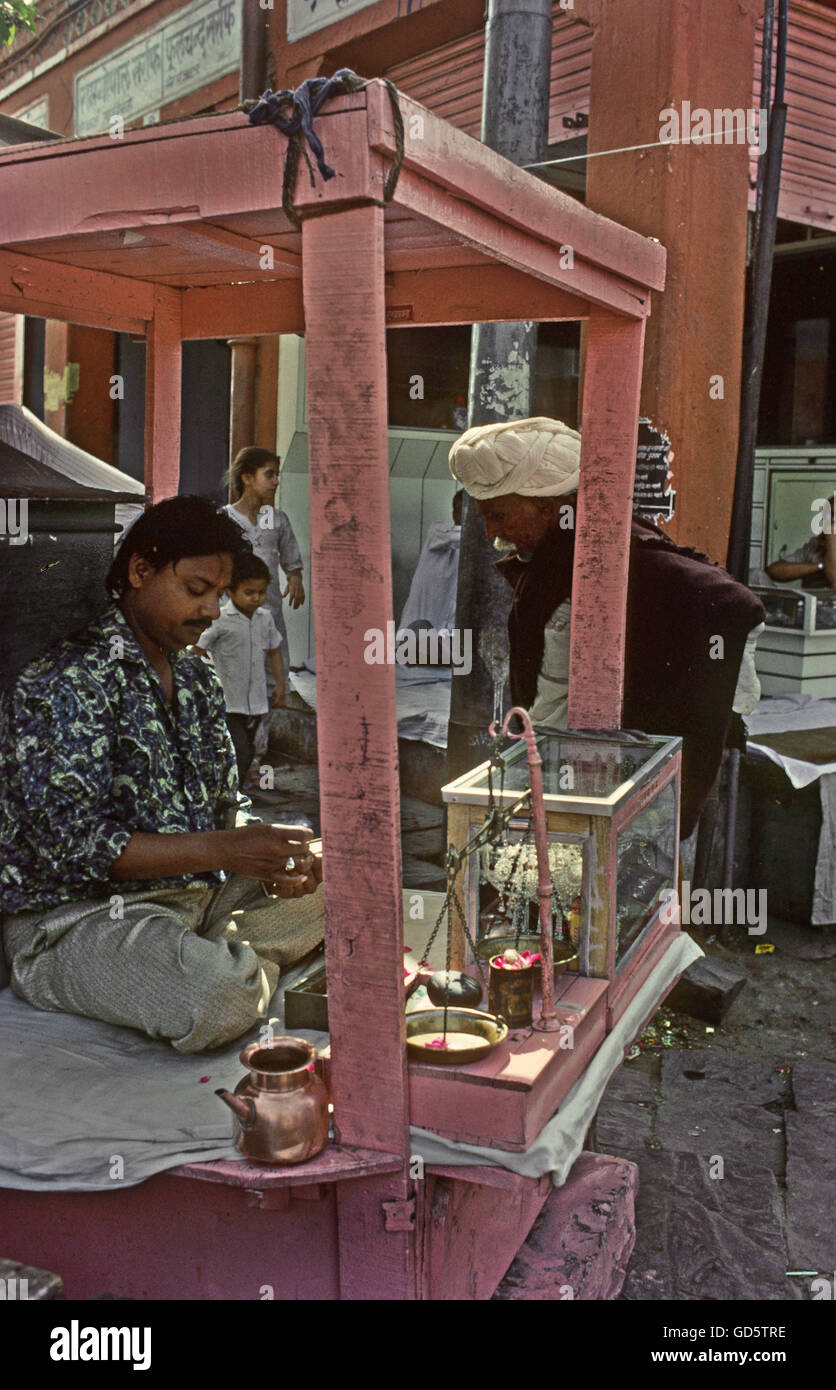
{"x":129,"y":893}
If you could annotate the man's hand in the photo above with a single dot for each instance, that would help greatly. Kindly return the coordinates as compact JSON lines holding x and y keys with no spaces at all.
{"x":295,"y":591}
{"x":277,"y":854}
{"x":310,"y":867}
{"x":277,"y":700}
{"x":254,"y":851}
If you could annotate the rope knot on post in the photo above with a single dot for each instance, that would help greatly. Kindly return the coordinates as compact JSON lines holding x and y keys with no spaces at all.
{"x":293,"y":113}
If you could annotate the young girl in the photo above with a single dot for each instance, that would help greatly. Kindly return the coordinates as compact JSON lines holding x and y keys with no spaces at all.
{"x":255,"y":476}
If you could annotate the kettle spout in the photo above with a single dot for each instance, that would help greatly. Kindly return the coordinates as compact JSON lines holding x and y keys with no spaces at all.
{"x":243,"y":1109}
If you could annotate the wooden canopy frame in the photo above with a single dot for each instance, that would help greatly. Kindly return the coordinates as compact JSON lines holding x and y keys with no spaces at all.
{"x":176,"y":232}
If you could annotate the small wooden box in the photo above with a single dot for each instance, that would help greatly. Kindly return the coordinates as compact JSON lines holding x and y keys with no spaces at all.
{"x":306,"y":1004}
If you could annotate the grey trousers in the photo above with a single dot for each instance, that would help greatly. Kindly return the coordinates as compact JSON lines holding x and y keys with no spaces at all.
{"x":196,"y":966}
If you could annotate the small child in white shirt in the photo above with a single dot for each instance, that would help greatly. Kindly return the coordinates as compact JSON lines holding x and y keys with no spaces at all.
{"x":237,"y":641}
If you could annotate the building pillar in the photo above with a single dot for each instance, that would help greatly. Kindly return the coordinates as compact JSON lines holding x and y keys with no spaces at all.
{"x":693,"y":198}
{"x":242,"y":393}
{"x":163,"y":376}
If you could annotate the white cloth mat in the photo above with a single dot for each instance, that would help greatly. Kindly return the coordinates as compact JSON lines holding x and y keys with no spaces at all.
{"x":779,"y":715}
{"x":75,"y":1094}
{"x":783,"y":714}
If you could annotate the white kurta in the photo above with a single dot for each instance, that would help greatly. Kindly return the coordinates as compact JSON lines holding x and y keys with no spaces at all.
{"x":275,"y":544}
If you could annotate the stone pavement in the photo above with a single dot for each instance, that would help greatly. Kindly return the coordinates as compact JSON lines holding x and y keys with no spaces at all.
{"x":736,"y":1174}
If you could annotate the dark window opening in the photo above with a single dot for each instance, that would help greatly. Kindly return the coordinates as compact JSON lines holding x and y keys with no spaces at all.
{"x":428,"y":371}
{"x":797,"y":398}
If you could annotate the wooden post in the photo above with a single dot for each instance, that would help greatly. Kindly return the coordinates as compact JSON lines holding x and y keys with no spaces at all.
{"x":163,"y":366}
{"x":612,"y":380}
{"x":343,"y":291}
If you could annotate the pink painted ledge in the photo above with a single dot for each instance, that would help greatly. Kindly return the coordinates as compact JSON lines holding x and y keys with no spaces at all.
{"x":334,"y":1164}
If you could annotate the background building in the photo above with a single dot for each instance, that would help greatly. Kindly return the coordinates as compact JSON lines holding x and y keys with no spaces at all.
{"x":616,"y":66}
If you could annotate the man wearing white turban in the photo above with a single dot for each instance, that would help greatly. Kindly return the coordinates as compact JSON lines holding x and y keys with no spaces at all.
{"x":523,"y":476}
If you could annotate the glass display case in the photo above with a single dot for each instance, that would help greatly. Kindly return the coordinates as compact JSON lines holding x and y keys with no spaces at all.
{"x":798,"y":610}
{"x":797,"y":652}
{"x":612,"y":815}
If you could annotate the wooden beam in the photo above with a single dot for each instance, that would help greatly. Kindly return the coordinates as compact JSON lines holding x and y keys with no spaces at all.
{"x":235,"y":311}
{"x":117,"y":184}
{"x":478,"y":293}
{"x":458,"y":164}
{"x":216,"y":243}
{"x":609,"y":433}
{"x":50,"y":289}
{"x":357,"y":731}
{"x":555,"y":262}
{"x":163,"y":367}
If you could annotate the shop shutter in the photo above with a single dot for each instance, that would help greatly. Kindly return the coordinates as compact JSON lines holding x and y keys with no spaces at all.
{"x":449,"y":79}
{"x":9,"y":360}
{"x":808,"y":173}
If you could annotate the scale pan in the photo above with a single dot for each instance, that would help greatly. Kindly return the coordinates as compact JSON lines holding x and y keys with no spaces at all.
{"x":471,"y":1034}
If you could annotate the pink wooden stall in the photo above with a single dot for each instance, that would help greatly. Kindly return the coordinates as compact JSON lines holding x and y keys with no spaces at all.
{"x":165,"y":233}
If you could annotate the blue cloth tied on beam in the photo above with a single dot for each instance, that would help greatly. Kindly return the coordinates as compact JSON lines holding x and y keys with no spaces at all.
{"x":304,"y":103}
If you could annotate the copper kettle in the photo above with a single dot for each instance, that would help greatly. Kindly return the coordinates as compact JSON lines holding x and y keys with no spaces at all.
{"x":281,"y":1107}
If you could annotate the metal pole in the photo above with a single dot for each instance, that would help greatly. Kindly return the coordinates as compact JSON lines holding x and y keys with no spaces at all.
{"x":754,"y":344}
{"x":255,"y":24}
{"x":754,"y":338}
{"x":515,"y":119}
{"x":766,"y":102}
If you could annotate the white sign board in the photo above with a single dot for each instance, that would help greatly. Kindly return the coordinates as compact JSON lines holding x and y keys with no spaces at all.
{"x":305,"y":16}
{"x":36,"y":114}
{"x":192,"y":47}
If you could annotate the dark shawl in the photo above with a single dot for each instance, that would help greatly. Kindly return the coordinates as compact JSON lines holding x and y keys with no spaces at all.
{"x":677,"y":601}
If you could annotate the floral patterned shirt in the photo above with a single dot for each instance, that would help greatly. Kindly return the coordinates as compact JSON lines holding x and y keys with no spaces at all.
{"x":91,"y":753}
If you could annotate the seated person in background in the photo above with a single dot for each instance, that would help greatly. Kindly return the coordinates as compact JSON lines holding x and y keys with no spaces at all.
{"x":814,"y":563}
{"x":129,"y":892}
{"x":238,"y":640}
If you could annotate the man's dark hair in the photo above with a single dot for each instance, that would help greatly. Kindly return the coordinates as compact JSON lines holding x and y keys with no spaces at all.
{"x":176,"y":529}
{"x":458,"y":504}
{"x":248,"y":566}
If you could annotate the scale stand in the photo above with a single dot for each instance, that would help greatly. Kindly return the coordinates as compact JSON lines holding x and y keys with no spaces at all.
{"x":548,"y":1021}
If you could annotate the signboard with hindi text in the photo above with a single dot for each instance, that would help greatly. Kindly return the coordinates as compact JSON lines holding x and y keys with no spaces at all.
{"x":195,"y":45}
{"x":306,"y":16}
{"x":653,"y":495}
{"x":36,"y":114}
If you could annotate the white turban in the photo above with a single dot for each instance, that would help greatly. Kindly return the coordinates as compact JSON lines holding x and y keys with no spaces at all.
{"x":535,"y":458}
